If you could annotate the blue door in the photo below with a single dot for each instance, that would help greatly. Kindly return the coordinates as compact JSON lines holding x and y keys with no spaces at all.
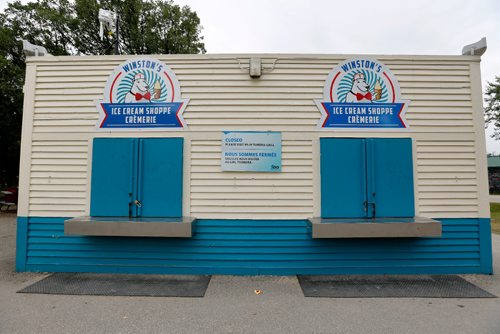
{"x":134,"y":177}
{"x":366,"y":178}
{"x":343,"y":177}
{"x":112,"y":176}
{"x":160,"y":177}
{"x":391,"y":177}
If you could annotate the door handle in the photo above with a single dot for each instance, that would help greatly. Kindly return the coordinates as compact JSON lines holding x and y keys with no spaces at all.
{"x":138,"y":203}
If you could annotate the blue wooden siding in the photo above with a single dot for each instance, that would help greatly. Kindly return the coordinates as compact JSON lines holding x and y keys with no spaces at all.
{"x":252,"y":247}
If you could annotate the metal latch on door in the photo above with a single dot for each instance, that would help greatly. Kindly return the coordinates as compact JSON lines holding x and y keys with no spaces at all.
{"x":366,"y":204}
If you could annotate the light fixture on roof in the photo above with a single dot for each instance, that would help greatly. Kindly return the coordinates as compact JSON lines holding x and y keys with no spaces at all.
{"x":31,"y":50}
{"x":110,"y":20}
{"x":107,"y":19}
{"x":475,"y":49}
{"x":255,"y":67}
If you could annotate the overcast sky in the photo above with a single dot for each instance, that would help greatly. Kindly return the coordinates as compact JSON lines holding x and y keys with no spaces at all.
{"x":346,"y":27}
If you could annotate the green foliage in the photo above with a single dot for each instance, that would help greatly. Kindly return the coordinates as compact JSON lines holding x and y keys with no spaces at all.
{"x":492,"y":110}
{"x":72,"y":27}
{"x":11,"y":101}
{"x":66,"y":27}
{"x":43,"y":23}
{"x":495,"y":217}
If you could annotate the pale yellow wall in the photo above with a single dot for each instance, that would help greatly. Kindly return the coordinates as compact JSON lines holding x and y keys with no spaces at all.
{"x":445,"y":116}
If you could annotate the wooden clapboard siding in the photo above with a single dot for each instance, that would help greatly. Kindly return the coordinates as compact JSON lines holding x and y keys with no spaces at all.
{"x":58,"y":183}
{"x":447,"y":168}
{"x":276,"y":247}
{"x":442,"y":116}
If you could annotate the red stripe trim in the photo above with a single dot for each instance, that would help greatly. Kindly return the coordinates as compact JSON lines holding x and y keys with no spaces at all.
{"x":111,"y":90}
{"x":171,"y":85}
{"x":105,"y":116}
{"x":327,"y":114}
{"x":177,"y":114}
{"x":392,"y":87}
{"x":399,"y":114}
{"x":331,"y":87}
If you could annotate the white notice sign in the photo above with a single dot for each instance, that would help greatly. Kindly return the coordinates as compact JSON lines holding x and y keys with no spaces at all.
{"x":251,"y":151}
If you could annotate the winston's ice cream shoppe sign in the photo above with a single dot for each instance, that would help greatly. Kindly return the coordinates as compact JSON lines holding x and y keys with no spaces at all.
{"x":362,"y":93}
{"x":142,"y":93}
{"x":359,"y":93}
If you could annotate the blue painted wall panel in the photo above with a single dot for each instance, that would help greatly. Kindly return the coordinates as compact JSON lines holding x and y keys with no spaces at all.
{"x":485,"y":245}
{"x":21,"y":243}
{"x":248,"y":247}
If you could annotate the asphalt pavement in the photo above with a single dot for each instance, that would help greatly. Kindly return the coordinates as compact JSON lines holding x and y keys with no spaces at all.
{"x":231,"y":306}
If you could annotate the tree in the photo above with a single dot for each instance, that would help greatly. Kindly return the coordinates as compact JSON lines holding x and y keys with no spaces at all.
{"x":67,"y":27}
{"x":492,"y":110}
{"x":45,"y":23}
{"x":11,"y":103}
{"x":146,"y":27}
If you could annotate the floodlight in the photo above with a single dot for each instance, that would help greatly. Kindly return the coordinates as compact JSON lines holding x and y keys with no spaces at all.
{"x":255,"y":67}
{"x":475,"y":49}
{"x":107,"y":19}
{"x":34,"y":50}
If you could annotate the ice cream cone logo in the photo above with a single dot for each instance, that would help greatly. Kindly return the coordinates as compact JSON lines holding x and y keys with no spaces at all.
{"x":157,"y":90}
{"x":378,"y":91}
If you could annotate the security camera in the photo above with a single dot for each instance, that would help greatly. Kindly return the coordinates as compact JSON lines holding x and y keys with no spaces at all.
{"x":475,"y":49}
{"x":34,"y":50}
